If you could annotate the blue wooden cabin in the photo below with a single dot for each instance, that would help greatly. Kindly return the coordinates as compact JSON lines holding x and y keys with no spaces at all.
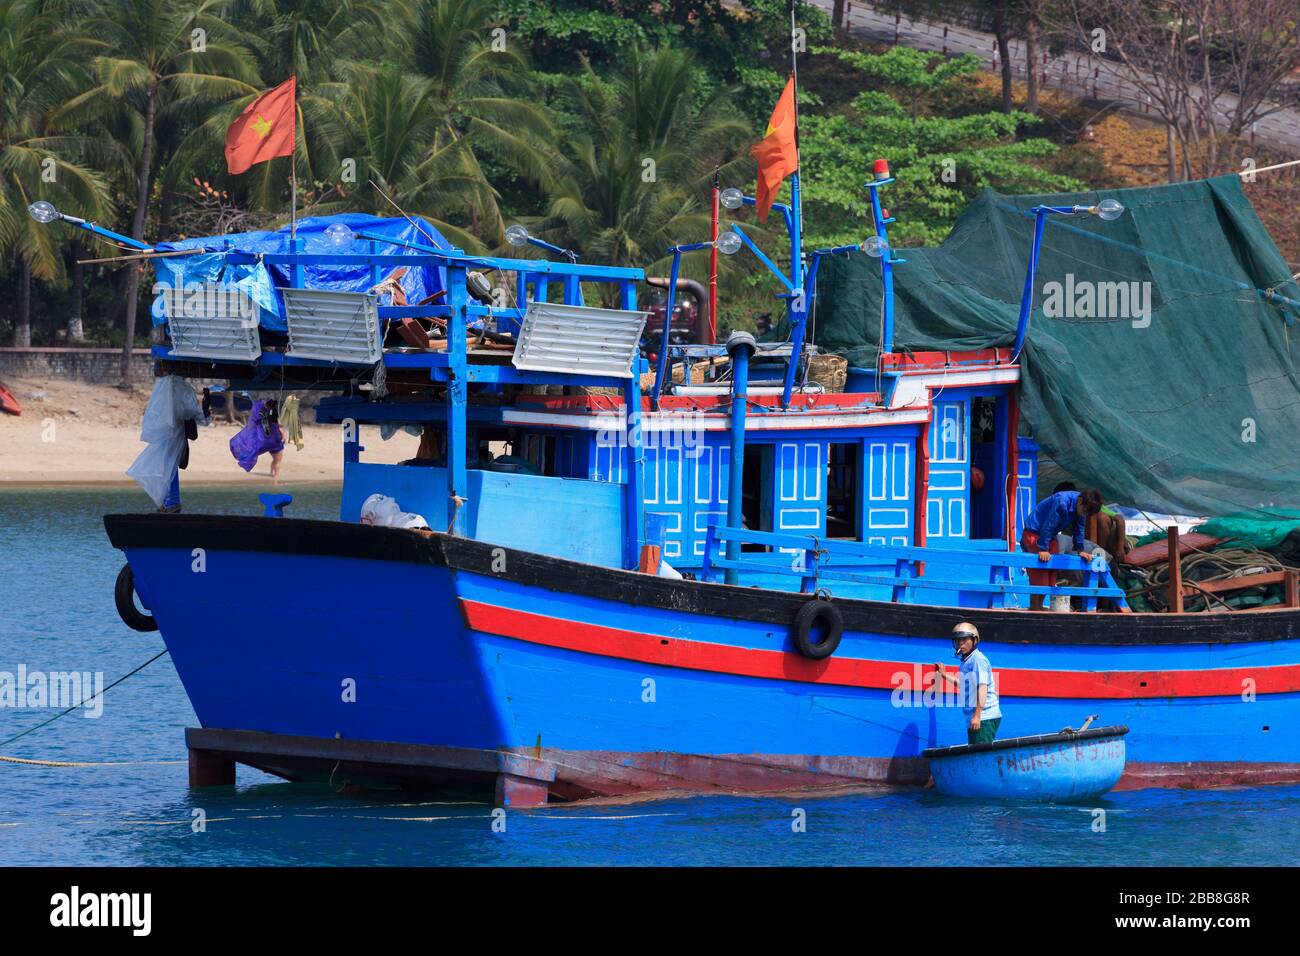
{"x":599,"y":472}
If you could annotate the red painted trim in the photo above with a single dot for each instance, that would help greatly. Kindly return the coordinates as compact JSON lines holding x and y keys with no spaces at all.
{"x":834,"y":401}
{"x":859,"y":672}
{"x":924,"y":360}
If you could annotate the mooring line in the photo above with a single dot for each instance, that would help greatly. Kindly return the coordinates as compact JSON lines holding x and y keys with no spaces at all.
{"x":80,"y":763}
{"x":64,"y":713}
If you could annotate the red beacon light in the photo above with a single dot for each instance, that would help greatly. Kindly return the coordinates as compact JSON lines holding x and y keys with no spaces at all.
{"x":880,"y":169}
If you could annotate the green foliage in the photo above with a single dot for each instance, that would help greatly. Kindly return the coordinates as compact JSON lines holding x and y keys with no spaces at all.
{"x":39,"y":159}
{"x":637,"y":161}
{"x":554,"y":129}
{"x":939,"y":161}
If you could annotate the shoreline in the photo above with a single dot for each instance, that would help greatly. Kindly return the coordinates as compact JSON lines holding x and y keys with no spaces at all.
{"x":70,"y":484}
{"x":76,"y":435}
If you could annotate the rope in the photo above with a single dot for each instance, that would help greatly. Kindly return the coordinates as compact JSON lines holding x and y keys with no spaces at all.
{"x":1223,"y":564}
{"x":104,"y":763}
{"x":64,"y":713}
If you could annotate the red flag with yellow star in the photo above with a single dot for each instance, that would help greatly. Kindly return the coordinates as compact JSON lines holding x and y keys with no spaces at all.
{"x":264,"y":130}
{"x":777,"y":154}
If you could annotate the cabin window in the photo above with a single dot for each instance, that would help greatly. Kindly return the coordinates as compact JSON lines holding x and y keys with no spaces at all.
{"x":988,"y":466}
{"x":843,"y":491}
{"x":540,"y":452}
{"x":756,"y":507}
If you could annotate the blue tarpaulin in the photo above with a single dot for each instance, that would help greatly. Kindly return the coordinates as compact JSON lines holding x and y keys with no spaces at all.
{"x":261,"y":282}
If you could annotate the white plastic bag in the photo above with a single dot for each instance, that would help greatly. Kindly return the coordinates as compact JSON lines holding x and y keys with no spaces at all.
{"x":383,"y":510}
{"x":171,"y":404}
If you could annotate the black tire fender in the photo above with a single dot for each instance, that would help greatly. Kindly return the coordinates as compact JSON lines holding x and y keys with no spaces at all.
{"x":124,"y":598}
{"x":814,"y":612}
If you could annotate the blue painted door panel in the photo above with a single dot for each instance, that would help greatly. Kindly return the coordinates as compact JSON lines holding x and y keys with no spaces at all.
{"x":947,"y":503}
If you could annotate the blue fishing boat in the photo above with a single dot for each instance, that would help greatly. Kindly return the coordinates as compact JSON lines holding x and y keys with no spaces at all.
{"x":697,"y":569}
{"x":1061,"y":767}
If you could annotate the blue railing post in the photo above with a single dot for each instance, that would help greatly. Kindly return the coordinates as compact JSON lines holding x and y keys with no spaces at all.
{"x":457,"y":398}
{"x":740,"y":346}
{"x":710,"y":546}
{"x":634,"y":495}
{"x":798,"y":310}
{"x":1027,"y":297}
{"x":808,"y":583}
{"x":662,"y":364}
{"x":886,"y":265}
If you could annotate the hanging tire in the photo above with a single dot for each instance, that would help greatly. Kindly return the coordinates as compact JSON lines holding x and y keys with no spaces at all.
{"x":124,"y":598}
{"x":813,"y":614}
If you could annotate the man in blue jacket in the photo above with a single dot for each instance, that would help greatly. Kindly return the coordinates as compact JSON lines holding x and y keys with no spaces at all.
{"x":1054,"y":514}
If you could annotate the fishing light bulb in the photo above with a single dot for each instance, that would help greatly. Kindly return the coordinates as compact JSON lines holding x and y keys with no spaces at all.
{"x":875,"y":247}
{"x":516,"y":235}
{"x":1110,"y":209}
{"x":731,"y":198}
{"x":339,"y":235}
{"x":729,"y":242}
{"x":43,"y":211}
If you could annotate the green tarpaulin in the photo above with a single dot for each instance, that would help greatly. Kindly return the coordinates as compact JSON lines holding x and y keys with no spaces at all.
{"x":1191,"y":406}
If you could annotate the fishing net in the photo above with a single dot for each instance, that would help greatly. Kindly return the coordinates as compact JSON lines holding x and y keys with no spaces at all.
{"x":1160,"y":364}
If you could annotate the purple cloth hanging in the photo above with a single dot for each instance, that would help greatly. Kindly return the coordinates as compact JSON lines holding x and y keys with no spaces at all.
{"x":261,"y":434}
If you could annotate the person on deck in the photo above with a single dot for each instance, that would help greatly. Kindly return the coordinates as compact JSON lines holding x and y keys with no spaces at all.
{"x":1107,"y":529}
{"x":1053,"y":515}
{"x":974,"y":682}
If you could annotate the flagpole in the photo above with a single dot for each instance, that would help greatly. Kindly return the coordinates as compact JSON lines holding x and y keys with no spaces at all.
{"x":797,"y":310}
{"x":293,"y":165}
{"x":796,"y":194}
{"x":713,"y":260}
{"x":293,"y":192}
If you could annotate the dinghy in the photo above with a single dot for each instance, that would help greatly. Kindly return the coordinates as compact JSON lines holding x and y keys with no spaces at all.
{"x":1065,"y":766}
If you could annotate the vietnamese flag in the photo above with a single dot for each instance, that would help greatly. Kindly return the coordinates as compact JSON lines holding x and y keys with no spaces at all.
{"x":264,"y":130}
{"x":777,"y":154}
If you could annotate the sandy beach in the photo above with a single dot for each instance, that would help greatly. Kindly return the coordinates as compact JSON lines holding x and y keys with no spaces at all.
{"x":71,"y":433}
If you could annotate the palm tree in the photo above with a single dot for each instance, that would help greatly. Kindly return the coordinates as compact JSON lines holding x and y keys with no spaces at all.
{"x":388,"y":120}
{"x":38,"y":70}
{"x":639,"y":165}
{"x":304,"y":38}
{"x":154,"y":55}
{"x":483,"y":100}
{"x":312,"y":40}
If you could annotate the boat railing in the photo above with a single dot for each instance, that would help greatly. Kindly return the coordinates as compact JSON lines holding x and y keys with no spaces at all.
{"x":814,"y":558}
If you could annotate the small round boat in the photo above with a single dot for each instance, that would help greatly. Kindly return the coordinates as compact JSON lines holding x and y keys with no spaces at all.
{"x":1070,"y":765}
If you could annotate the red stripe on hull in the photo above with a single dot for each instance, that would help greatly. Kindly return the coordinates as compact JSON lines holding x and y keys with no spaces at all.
{"x":860,"y":672}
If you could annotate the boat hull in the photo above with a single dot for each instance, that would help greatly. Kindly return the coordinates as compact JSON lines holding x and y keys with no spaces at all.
{"x":625,"y":683}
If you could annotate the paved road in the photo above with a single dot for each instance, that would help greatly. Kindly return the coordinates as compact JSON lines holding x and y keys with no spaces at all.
{"x":1075,"y":74}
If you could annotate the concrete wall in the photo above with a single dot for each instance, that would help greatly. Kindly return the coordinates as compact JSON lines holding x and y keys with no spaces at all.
{"x":98,"y":366}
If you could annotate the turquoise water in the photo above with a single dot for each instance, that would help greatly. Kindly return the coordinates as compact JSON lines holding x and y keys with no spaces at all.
{"x":56,"y":613}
